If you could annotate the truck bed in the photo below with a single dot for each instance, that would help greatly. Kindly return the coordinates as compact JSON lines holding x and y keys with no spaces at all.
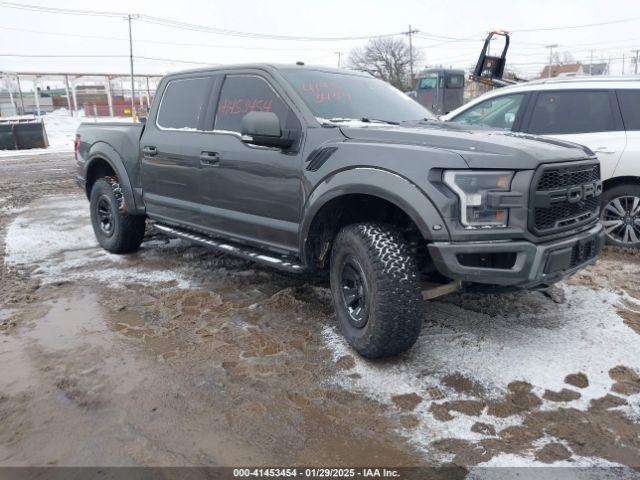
{"x":114,"y":141}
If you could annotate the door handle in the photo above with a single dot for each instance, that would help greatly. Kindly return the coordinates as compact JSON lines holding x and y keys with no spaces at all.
{"x":603,"y":150}
{"x":149,"y":151}
{"x":210,"y":159}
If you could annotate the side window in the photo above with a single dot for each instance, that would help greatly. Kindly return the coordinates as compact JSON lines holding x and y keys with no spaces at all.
{"x":183,"y":103}
{"x":498,"y":112}
{"x":428,"y":83}
{"x":242,"y":94}
{"x":572,"y":111}
{"x":629,"y":101}
{"x":455,"y":81}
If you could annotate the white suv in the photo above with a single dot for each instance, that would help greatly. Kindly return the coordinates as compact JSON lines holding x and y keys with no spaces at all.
{"x":602,"y":113}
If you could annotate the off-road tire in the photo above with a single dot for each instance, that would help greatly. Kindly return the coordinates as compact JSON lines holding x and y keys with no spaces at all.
{"x":627,"y":191}
{"x":126,"y":231}
{"x":395,"y":308}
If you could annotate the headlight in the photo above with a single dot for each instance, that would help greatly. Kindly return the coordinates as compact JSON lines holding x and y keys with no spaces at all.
{"x":473,"y":187}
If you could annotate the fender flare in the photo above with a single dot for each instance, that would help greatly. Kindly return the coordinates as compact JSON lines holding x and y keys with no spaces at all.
{"x":104,"y":151}
{"x":378,"y":183}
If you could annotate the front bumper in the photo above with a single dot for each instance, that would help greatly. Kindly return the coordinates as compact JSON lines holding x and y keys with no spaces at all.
{"x":530,"y":265}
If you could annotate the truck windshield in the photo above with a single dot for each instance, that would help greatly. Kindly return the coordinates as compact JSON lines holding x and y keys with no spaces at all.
{"x":343,"y":97}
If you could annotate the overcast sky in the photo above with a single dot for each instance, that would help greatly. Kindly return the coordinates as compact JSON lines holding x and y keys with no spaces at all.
{"x":35,"y":33}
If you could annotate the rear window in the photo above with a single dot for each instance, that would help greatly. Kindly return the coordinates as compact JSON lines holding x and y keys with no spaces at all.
{"x":455,"y":81}
{"x":572,"y":112}
{"x":183,"y":103}
{"x":629,"y":101}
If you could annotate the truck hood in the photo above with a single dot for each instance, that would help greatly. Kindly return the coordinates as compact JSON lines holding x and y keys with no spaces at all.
{"x":478,"y":146}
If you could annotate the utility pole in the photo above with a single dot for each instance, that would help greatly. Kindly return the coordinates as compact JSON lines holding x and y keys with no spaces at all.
{"x":339,"y":54}
{"x":637,"y":59}
{"x":410,"y":33}
{"x":9,"y":84}
{"x":622,"y":64}
{"x":591,"y":63}
{"x":550,"y":47}
{"x":133,"y":88}
{"x":20,"y":93}
{"x":66,"y":89}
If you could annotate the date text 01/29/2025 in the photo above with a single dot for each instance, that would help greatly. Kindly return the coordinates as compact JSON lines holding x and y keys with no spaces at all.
{"x":315,"y":473}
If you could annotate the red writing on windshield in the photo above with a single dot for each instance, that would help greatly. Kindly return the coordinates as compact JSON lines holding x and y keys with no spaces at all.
{"x":240,"y":106}
{"x":322,"y":92}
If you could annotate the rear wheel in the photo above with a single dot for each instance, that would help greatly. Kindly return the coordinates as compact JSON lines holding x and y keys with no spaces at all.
{"x":116,"y":230}
{"x":376,"y":290}
{"x":621,"y":215}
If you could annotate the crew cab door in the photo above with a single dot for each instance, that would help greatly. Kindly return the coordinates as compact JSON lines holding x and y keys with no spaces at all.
{"x":171,"y":146}
{"x":251,"y":193}
{"x":588,"y":117}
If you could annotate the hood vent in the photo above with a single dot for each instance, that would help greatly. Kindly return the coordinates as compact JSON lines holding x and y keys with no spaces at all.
{"x":317,"y":158}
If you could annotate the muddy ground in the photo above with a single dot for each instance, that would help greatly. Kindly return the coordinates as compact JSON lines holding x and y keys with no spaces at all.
{"x":176,"y":356}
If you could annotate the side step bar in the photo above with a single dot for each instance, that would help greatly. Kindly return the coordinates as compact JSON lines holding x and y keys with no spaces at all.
{"x":248,"y":253}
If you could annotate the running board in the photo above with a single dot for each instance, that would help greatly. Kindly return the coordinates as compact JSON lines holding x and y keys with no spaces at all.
{"x":246,"y":253}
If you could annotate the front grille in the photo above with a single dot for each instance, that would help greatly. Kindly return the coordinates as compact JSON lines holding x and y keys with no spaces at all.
{"x":565,"y":214}
{"x":565,"y":196}
{"x":561,"y":178}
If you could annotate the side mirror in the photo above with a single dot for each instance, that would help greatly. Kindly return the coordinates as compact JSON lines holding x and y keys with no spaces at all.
{"x":263,"y":128}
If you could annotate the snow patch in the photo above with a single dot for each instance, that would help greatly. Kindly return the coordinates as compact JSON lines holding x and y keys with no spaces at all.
{"x":540,"y":346}
{"x":55,"y":235}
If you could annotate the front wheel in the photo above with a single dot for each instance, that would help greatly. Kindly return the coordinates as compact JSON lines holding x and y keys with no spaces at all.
{"x":376,"y":291}
{"x":116,"y":230}
{"x":620,"y":215}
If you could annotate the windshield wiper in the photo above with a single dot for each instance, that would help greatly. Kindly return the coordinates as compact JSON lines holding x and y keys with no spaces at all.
{"x":362,"y":120}
{"x":420,"y":120}
{"x":377,"y":120}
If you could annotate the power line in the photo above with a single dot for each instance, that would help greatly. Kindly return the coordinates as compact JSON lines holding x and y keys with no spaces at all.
{"x":264,"y":36}
{"x":36,"y":55}
{"x":187,"y":26}
{"x":546,"y":29}
{"x":62,"y":11}
{"x":160,"y":42}
{"x":136,"y":57}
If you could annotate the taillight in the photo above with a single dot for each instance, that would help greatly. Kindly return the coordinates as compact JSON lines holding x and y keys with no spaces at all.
{"x":76,"y":146}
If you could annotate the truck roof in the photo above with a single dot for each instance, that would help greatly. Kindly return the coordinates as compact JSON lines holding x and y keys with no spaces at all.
{"x":270,"y":66}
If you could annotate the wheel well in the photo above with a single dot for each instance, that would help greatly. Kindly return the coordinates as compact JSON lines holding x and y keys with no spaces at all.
{"x":357,"y":208}
{"x":99,"y":168}
{"x":615,"y":181}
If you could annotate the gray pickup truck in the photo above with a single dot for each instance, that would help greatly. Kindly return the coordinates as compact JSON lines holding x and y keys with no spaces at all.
{"x":322,"y":170}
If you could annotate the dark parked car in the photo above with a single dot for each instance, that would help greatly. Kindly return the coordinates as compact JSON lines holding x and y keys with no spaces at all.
{"x":316,"y":169}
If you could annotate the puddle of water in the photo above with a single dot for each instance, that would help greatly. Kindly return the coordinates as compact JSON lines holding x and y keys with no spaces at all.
{"x":70,"y":323}
{"x":21,"y":375}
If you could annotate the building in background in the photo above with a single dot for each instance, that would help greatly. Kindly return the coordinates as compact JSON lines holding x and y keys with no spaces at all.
{"x":575,"y":70}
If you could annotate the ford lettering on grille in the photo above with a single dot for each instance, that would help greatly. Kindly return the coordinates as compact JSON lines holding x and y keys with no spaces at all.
{"x":565,"y":197}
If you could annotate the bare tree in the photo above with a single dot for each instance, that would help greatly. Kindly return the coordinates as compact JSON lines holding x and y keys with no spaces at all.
{"x":387,"y":58}
{"x":563,"y":58}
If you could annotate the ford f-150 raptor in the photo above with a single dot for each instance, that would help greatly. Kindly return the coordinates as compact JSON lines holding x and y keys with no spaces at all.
{"x":322,"y":170}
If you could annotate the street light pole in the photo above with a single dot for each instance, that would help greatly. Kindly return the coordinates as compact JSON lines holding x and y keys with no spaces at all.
{"x":550,"y":47}
{"x":637,"y":52}
{"x":410,"y":32}
{"x":133,"y":88}
{"x":339,"y":54}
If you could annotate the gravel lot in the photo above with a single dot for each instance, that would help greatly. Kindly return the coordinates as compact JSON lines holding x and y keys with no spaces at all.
{"x":176,"y":355}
